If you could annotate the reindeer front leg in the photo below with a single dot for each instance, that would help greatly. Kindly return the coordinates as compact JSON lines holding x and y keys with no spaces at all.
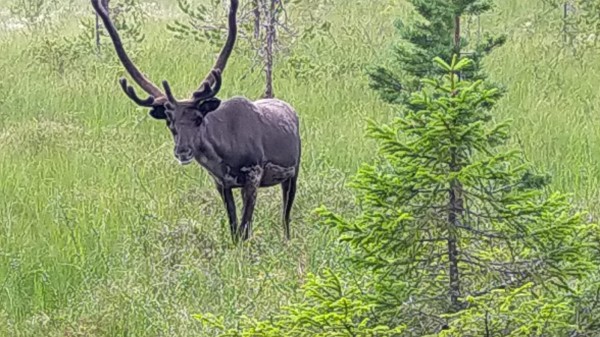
{"x":252,"y":180}
{"x":229,"y":202}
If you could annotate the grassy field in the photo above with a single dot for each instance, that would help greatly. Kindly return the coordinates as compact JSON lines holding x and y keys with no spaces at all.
{"x":103,"y":234}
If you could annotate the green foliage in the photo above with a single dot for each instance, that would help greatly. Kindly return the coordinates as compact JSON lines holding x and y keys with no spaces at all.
{"x":528,"y":310}
{"x":331,"y":307}
{"x":58,"y":52}
{"x":582,"y":24}
{"x":447,"y":214}
{"x":128,"y":16}
{"x":34,"y":13}
{"x":422,"y":41}
{"x":204,"y":22}
{"x":580,"y":21}
{"x":301,"y":67}
{"x":523,"y":311}
{"x":297,"y":22}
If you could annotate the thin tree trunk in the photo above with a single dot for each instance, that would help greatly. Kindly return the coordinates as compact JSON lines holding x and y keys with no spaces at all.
{"x":104,"y":4}
{"x":268,"y":53}
{"x":256,"y":11}
{"x":457,"y":46}
{"x":453,"y":215}
{"x":456,"y":207}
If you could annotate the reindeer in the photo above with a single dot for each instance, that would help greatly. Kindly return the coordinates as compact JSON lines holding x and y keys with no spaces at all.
{"x":241,"y":143}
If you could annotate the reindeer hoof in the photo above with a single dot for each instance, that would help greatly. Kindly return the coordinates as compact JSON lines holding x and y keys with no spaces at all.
{"x":244,"y":232}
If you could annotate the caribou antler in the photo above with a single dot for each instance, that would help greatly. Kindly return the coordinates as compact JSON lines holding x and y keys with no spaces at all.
{"x":130,"y":92}
{"x":169,"y":93}
{"x":207,"y":91}
{"x":156,"y":96}
{"x":214,"y":76}
{"x":210,"y":85}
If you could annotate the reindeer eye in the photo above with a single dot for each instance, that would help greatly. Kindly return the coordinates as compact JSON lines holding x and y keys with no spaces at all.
{"x":171,"y":127}
{"x":169,"y":120}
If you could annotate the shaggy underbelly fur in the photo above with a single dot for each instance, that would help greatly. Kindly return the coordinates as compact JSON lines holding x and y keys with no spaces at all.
{"x":275,"y":174}
{"x":266,"y":176}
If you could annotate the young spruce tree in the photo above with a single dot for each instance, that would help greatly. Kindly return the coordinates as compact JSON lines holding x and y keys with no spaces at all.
{"x":440,"y":35}
{"x":454,"y":224}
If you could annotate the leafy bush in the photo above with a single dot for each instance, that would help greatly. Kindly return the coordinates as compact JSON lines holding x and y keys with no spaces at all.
{"x":34,"y":13}
{"x":333,"y":307}
{"x":58,"y":52}
{"x":296,"y":22}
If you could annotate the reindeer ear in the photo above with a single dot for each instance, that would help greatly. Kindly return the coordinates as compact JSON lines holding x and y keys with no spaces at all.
{"x":158,"y":112}
{"x":209,"y":105}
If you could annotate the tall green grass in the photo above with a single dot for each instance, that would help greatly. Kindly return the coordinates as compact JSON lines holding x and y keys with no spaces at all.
{"x":103,"y":234}
{"x":552,"y":97}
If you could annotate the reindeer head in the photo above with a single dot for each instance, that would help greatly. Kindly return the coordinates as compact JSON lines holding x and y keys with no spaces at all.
{"x":183,"y":117}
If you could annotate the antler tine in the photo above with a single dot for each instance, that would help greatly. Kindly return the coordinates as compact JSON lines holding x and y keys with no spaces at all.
{"x":207,"y":91}
{"x":216,"y":74}
{"x":221,"y":61}
{"x":203,"y":93}
{"x":137,"y":76}
{"x":130,"y":92}
{"x":168,"y":91}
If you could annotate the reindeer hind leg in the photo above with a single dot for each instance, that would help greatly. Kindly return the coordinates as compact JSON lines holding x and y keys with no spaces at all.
{"x":253,"y":177}
{"x":288,"y":188}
